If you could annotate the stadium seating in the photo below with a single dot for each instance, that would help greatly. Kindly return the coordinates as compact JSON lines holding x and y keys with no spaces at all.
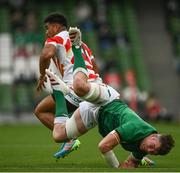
{"x":115,"y":16}
{"x":121,"y":17}
{"x":4,"y":17}
{"x":131,"y":26}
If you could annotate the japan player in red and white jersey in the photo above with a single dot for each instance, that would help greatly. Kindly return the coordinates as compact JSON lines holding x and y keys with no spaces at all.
{"x":57,"y":55}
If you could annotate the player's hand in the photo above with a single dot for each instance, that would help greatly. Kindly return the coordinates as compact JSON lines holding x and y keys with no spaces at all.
{"x":40,"y":84}
{"x":75,"y":36}
{"x":128,"y":164}
{"x":124,"y":165}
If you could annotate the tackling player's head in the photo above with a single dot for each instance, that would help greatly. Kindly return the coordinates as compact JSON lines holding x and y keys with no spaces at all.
{"x":55,"y":23}
{"x":167,"y":143}
{"x":157,"y":144}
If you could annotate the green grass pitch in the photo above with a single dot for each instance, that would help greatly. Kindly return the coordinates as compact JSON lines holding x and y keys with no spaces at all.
{"x":30,"y":148}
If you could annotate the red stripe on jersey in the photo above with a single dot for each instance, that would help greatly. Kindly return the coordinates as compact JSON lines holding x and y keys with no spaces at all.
{"x":89,"y":67}
{"x":85,"y":55}
{"x":72,"y":60}
{"x":86,"y":58}
{"x":68,"y":45}
{"x":56,"y":39}
{"x":93,"y":76}
{"x":87,"y":49}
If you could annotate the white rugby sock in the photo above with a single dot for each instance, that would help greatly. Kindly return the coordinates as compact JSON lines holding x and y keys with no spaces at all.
{"x":111,"y":159}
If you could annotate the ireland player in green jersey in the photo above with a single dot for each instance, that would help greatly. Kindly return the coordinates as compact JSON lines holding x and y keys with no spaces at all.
{"x":117,"y":123}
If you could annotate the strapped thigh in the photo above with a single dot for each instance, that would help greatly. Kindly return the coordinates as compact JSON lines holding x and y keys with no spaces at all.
{"x":71,"y":128}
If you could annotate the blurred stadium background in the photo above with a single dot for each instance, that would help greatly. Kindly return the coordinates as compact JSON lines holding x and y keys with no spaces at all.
{"x":136,"y":44}
{"x":137,"y":47}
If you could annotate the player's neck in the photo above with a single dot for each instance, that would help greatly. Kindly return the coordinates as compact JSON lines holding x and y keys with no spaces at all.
{"x":63,"y":28}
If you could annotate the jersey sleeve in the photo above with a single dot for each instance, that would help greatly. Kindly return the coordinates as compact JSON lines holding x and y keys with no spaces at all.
{"x":127,"y":132}
{"x":55,"y":41}
{"x":132,"y":131}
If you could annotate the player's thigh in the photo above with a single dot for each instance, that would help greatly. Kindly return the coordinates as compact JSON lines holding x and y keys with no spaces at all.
{"x":46,"y":105}
{"x":89,"y":114}
{"x":75,"y":126}
{"x":79,"y":122}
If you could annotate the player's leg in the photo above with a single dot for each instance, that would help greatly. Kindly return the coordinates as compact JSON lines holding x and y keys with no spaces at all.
{"x":59,"y":131}
{"x":72,"y":129}
{"x":92,"y":92}
{"x":65,"y":128}
{"x":45,"y":110}
{"x":61,"y":116}
{"x":59,"y":134}
{"x":73,"y":144}
{"x":80,"y":85}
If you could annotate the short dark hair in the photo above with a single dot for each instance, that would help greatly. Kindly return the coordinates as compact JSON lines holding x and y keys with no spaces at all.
{"x":167,"y":143}
{"x":56,"y":18}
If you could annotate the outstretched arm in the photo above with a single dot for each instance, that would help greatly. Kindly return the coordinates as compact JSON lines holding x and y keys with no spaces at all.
{"x":106,"y":147}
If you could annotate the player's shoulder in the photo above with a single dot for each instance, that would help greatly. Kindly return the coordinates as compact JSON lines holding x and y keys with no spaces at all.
{"x":63,"y":34}
{"x":58,"y":38}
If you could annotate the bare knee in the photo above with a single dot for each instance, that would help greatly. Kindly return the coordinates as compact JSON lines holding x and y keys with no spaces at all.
{"x":57,"y":138}
{"x":59,"y":133}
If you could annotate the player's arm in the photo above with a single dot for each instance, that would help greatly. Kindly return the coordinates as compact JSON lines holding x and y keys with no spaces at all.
{"x":106,"y":147}
{"x":47,"y":53}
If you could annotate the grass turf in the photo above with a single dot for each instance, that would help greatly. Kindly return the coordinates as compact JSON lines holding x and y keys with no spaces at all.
{"x":30,"y":148}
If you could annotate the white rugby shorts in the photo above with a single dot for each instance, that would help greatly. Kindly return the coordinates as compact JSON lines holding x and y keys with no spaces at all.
{"x":89,"y":111}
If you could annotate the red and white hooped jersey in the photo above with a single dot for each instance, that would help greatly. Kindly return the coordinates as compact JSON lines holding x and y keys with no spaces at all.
{"x":62,"y":63}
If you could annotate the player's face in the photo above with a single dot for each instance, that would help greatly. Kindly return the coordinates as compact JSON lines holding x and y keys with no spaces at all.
{"x":151,"y":145}
{"x":50,"y":30}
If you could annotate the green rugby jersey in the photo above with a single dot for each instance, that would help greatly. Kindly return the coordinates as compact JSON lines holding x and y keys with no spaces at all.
{"x":131,"y":128}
